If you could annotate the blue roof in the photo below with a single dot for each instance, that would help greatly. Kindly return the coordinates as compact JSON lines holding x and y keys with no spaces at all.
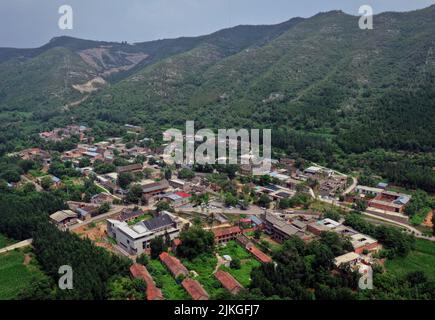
{"x":256,"y":220}
{"x":55,"y":179}
{"x":382,"y":184}
{"x":82,"y":212}
{"x":402,"y":200}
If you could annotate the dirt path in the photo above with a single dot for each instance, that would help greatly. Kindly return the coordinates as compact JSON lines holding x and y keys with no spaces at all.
{"x":220,"y":262}
{"x":18,"y":245}
{"x":428,"y":221}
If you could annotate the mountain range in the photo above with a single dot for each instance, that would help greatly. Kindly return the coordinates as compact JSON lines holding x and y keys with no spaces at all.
{"x":319,"y":82}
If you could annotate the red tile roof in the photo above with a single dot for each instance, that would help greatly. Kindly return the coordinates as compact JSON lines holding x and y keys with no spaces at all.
{"x":139,"y":271}
{"x":228,"y":282}
{"x":258,"y":254}
{"x":194,"y":289}
{"x":226,"y":231}
{"x":183,"y":194}
{"x":174,"y":265}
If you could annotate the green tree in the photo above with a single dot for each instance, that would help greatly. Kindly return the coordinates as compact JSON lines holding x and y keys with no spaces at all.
{"x":235,"y":263}
{"x":194,"y":242}
{"x":142,"y":259}
{"x":124,"y":288}
{"x":124,"y":179}
{"x":157,"y":246}
{"x":104,"y":208}
{"x":134,"y":194}
{"x":230,"y":200}
{"x":164,"y":206}
{"x":186,"y":174}
{"x":264,"y":201}
{"x":168,"y":173}
{"x":46,"y":182}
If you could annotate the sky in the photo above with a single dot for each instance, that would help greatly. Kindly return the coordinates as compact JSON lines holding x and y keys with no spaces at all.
{"x":32,"y":23}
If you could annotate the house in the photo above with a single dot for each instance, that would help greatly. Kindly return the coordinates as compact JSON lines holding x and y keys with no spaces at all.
{"x":322,"y":226}
{"x":280,"y":229}
{"x":86,"y":212}
{"x":128,"y":214}
{"x":139,"y":271}
{"x":154,"y":188}
{"x":175,"y":267}
{"x":390,"y":201}
{"x":228,"y":282}
{"x":258,"y":254}
{"x":101,"y":198}
{"x":176,"y":198}
{"x":35,"y":154}
{"x":136,"y":238}
{"x":256,"y":222}
{"x":177,"y":184}
{"x":223,"y":235}
{"x":382,"y":185}
{"x":194,"y":289}
{"x":362,"y":242}
{"x":56,"y":182}
{"x":350,"y":258}
{"x":313,"y":171}
{"x":63,"y":217}
{"x":133,"y":128}
{"x":368,"y":190}
{"x":135,"y":167}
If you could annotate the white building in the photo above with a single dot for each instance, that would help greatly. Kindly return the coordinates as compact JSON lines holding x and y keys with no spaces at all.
{"x":136,"y":239}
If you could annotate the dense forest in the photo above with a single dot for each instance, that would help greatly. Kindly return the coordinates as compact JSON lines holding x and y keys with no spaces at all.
{"x":24,"y":215}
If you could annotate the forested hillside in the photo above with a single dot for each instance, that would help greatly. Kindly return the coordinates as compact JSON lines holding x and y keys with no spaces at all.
{"x":333,"y":93}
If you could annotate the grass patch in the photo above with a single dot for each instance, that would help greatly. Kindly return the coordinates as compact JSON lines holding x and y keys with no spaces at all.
{"x":204,"y":265}
{"x":418,"y":218}
{"x":243,"y":275}
{"x":234,"y":250}
{"x":170,"y":288}
{"x":36,"y":173}
{"x":420,"y":259}
{"x":14,"y":275}
{"x":143,"y":217}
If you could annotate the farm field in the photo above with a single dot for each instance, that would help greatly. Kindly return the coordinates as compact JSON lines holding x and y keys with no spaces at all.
{"x":15,"y":273}
{"x":421,"y":259}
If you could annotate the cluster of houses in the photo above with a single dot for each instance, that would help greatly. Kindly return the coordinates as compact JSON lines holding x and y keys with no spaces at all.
{"x":59,"y":134}
{"x":381,"y":199}
{"x":182,"y":275}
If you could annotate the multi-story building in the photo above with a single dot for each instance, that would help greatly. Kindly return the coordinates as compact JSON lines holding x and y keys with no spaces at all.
{"x":136,"y":239}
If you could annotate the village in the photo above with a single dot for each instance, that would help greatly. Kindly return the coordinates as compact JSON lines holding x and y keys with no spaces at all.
{"x":123,"y":196}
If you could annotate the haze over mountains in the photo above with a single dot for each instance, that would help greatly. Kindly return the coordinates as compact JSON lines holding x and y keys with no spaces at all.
{"x":321,"y":77}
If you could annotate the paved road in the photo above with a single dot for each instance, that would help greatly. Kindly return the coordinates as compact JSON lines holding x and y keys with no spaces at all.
{"x":351,"y":187}
{"x":116,"y":209}
{"x":18,"y":245}
{"x":253,"y":210}
{"x":408,"y":227}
